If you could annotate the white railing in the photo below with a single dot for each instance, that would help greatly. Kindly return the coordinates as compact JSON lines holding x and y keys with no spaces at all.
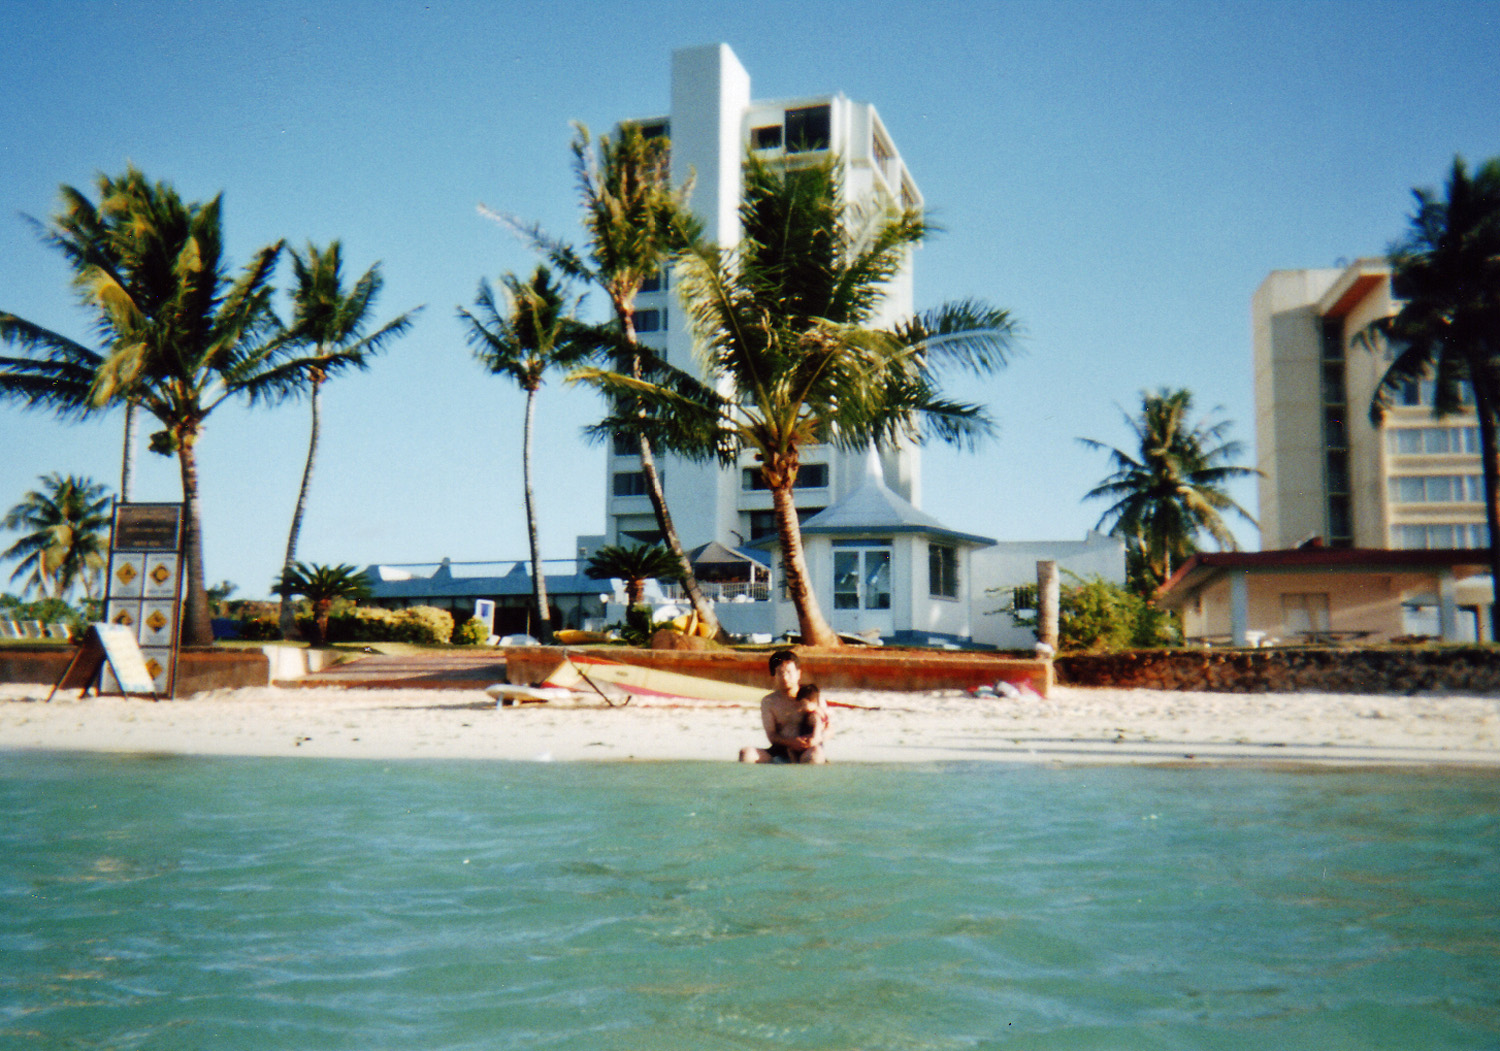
{"x":733,"y":591}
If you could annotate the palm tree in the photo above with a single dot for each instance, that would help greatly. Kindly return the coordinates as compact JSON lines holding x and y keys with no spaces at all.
{"x":1446,"y":272}
{"x":634,"y":565}
{"x":182,"y":336}
{"x":327,"y":319}
{"x":67,"y":520}
{"x":784,"y":325}
{"x":322,"y":586}
{"x":1171,"y":488}
{"x":523,"y":337}
{"x":635,"y":221}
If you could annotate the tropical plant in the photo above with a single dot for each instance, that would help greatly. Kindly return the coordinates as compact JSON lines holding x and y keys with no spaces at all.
{"x":1098,"y":614}
{"x":634,"y":565}
{"x":1170,"y":489}
{"x":790,"y":357}
{"x":635,"y":221}
{"x":1446,"y":274}
{"x":524,"y":335}
{"x":322,"y":585}
{"x":328,"y":319}
{"x":66,"y":536}
{"x":182,"y":335}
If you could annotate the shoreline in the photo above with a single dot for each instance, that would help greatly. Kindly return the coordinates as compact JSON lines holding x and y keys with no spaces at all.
{"x":1074,"y":726}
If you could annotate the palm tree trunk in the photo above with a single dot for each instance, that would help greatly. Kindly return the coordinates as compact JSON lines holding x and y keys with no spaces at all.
{"x":127,"y":456}
{"x":287,"y":615}
{"x":538,"y":580}
{"x":815,"y":630}
{"x":196,"y":630}
{"x":1489,"y":458}
{"x":701,"y":605}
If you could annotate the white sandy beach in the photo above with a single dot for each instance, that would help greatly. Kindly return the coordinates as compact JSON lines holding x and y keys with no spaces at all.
{"x":1072,"y":725}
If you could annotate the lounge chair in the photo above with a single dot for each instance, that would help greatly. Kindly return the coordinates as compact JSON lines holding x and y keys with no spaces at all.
{"x":58,"y":631}
{"x":10,"y":630}
{"x":33,"y":629}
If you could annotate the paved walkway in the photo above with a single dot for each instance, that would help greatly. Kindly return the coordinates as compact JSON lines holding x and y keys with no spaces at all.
{"x":436,"y":671}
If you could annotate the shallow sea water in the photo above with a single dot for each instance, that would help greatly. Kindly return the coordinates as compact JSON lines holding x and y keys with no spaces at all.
{"x":307,"y":904}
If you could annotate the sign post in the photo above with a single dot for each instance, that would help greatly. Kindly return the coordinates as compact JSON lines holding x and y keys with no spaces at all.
{"x":143,"y":595}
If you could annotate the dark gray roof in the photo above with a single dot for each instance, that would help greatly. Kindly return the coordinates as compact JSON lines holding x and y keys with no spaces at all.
{"x":400,"y":582}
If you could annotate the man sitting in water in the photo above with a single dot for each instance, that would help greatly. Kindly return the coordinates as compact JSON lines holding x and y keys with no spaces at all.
{"x":796,"y":725}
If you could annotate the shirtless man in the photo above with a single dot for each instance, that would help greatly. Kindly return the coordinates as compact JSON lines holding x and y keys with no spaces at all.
{"x":784,"y":716}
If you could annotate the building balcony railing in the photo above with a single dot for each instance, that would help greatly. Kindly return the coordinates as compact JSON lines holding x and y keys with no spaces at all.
{"x":732,"y":591}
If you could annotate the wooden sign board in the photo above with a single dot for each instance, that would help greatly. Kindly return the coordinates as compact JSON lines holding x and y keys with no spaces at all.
{"x":148,"y":527}
{"x":114,"y":644}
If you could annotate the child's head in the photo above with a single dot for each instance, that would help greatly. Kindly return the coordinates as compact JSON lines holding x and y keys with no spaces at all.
{"x":809,"y":696}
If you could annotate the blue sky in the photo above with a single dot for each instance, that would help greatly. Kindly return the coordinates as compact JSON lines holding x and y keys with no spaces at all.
{"x":1119,"y":175}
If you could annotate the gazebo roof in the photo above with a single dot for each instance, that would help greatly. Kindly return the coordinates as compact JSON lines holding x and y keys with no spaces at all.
{"x":874,"y":508}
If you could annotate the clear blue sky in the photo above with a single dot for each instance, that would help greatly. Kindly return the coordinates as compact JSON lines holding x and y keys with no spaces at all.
{"x":1120,"y":175}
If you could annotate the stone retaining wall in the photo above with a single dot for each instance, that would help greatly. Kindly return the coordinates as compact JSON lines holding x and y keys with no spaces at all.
{"x":1465,"y":669}
{"x":197,"y":669}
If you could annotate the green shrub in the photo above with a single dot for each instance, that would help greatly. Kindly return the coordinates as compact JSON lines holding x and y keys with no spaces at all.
{"x":424,"y":624}
{"x":260,"y":629}
{"x":1096,"y":615}
{"x":470,"y":633}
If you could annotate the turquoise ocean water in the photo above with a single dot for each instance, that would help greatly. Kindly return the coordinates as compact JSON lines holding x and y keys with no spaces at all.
{"x":307,"y":904}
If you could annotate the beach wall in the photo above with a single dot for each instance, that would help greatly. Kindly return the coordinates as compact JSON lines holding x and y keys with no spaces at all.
{"x":197,"y":669}
{"x":845,"y":669}
{"x":1466,"y":669}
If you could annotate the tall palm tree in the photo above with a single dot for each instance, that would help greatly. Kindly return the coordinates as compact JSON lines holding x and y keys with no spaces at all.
{"x":1446,"y":273}
{"x":785,"y":326}
{"x":635,"y":221}
{"x":182,"y":335}
{"x":328,"y":319}
{"x":66,"y":524}
{"x":1170,"y":488}
{"x":524,"y":335}
{"x":634,"y":565}
{"x":322,"y":586}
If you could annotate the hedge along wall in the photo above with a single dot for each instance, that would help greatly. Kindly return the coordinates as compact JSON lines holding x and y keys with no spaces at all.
{"x":1464,"y":669}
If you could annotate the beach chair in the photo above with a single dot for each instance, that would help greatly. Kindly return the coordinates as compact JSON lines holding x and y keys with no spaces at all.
{"x":33,"y":629}
{"x":58,"y":631}
{"x":10,"y":630}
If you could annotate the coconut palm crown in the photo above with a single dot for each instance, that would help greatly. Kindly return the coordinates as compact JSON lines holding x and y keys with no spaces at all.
{"x":1170,"y":489}
{"x":65,"y":527}
{"x":322,"y":586}
{"x":790,"y":353}
{"x":1445,"y":273}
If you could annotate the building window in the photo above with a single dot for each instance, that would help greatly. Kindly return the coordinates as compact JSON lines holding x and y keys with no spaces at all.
{"x":633,"y":483}
{"x":650,"y":320}
{"x":1424,"y":392}
{"x":862,"y":578}
{"x":763,"y":523}
{"x":1437,"y":489}
{"x":1433,"y":441}
{"x":654,"y":130}
{"x":766,"y":138}
{"x":1305,"y":613}
{"x":1440,"y":537}
{"x":809,"y":476}
{"x":626,"y":445}
{"x":809,"y":128}
{"x":657,"y":282}
{"x":942,"y":571}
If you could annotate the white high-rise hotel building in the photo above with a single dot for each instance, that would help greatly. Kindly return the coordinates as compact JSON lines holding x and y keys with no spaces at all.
{"x":712,"y":124}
